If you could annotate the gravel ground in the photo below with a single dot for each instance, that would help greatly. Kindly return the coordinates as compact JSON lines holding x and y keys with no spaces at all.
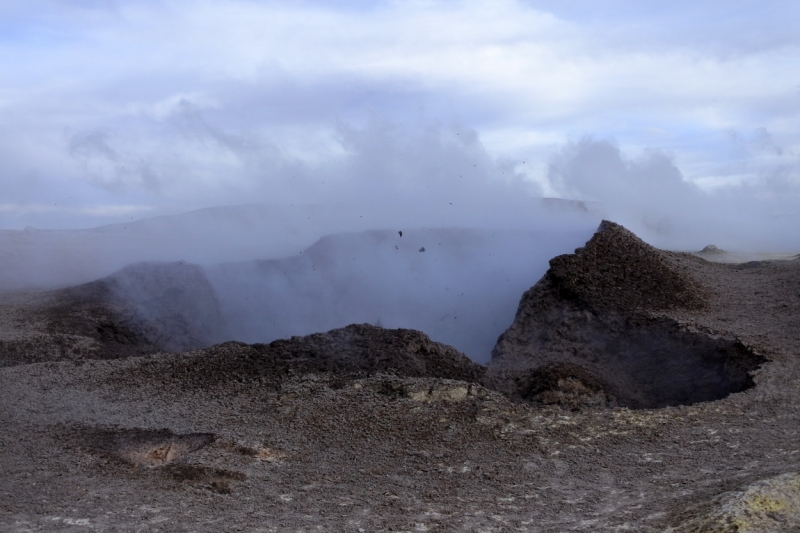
{"x":298,"y":437}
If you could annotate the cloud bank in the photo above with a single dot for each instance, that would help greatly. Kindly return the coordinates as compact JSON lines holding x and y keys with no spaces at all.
{"x":650,"y":195}
{"x":112,"y":111}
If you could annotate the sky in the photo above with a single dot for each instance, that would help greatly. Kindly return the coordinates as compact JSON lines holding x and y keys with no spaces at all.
{"x":671,"y":117}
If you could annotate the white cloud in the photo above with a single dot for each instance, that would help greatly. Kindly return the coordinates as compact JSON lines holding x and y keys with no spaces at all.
{"x":193,"y":103}
{"x":649,"y":194}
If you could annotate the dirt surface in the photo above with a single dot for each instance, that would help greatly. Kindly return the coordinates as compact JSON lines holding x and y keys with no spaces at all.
{"x":718,"y":255}
{"x":585,"y":420}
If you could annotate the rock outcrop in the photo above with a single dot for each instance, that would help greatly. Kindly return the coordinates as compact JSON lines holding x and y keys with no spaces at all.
{"x":355,"y":350}
{"x":594,"y":332}
{"x":767,"y":506}
{"x":148,"y":307}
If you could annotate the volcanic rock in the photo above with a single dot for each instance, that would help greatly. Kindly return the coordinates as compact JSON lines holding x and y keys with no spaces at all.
{"x":143,"y":308}
{"x":617,"y":270}
{"x":769,"y":505}
{"x":354,"y":351}
{"x":170,"y":306}
{"x":381,"y":430}
{"x":590,"y":333}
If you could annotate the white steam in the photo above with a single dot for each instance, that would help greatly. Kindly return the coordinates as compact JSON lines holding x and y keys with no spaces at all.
{"x":650,"y":195}
{"x":459,"y":286}
{"x":244,"y":132}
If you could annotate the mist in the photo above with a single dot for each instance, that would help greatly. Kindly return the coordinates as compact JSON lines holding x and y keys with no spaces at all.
{"x":284,"y":156}
{"x":424,"y":231}
{"x":459,"y":286}
{"x":650,"y":195}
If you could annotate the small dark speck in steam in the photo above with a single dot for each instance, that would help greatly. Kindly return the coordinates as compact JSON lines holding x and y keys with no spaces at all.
{"x":400,"y":233}
{"x":422,"y":249}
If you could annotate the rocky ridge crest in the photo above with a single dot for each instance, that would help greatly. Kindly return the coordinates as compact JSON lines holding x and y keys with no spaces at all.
{"x":617,"y":270}
{"x":349,"y":352}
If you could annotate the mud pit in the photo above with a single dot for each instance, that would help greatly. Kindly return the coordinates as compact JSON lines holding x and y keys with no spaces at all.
{"x":162,"y":454}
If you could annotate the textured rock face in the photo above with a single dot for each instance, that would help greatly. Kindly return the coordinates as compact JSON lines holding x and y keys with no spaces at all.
{"x":590,"y":333}
{"x":617,"y":270}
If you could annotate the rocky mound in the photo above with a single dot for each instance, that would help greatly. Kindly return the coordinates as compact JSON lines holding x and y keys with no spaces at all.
{"x":617,"y":270}
{"x":711,"y":249}
{"x":143,"y":308}
{"x":768,"y":505}
{"x":371,"y":349}
{"x":146,"y":306}
{"x":358,"y":349}
{"x":592,"y":332}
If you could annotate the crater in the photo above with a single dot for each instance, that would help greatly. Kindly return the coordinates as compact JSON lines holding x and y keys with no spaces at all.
{"x":149,"y":448}
{"x":642,"y":366}
{"x":596,"y":330}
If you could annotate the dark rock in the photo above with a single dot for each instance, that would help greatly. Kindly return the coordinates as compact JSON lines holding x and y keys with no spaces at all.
{"x":358,"y":349}
{"x":617,"y":270}
{"x":589,"y":333}
{"x":140,"y":309}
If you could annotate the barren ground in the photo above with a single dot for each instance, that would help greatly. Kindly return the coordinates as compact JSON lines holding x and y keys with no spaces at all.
{"x":366,"y":429}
